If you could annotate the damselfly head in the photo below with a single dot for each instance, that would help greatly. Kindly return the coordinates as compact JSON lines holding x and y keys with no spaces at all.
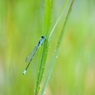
{"x":43,"y":37}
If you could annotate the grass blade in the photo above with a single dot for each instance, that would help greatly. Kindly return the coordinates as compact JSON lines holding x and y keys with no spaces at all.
{"x":61,"y":12}
{"x":57,"y":49}
{"x":47,"y":18}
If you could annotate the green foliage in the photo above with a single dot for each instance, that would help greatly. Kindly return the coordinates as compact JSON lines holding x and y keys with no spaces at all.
{"x":22,"y":23}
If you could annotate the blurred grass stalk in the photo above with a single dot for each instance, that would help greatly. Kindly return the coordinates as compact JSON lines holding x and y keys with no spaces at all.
{"x":9,"y":35}
{"x":57,"y":49}
{"x":9,"y":45}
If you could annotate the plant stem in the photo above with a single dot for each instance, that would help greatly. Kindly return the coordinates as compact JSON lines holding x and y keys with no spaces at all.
{"x":47,"y":18}
{"x":57,"y":49}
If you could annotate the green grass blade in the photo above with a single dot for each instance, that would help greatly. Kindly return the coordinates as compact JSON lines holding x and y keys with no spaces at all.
{"x":57,"y":49}
{"x":60,"y":14}
{"x":47,"y":18}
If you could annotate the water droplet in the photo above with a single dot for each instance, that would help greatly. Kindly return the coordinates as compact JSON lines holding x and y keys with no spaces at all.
{"x":54,"y":50}
{"x":43,"y":74}
{"x":56,"y":56}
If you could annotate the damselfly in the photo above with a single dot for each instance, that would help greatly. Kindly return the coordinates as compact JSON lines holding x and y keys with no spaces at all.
{"x":31,"y":55}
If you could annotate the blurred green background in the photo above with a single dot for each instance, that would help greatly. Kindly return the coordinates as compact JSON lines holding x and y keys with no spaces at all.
{"x":21,"y":26}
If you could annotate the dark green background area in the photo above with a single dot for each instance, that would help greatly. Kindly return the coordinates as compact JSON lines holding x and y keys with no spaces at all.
{"x":21,"y":26}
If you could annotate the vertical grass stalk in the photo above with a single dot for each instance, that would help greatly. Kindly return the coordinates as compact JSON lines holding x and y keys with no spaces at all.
{"x":47,"y":18}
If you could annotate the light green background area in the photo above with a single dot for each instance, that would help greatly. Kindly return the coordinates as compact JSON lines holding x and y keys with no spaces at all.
{"x":21,"y":26}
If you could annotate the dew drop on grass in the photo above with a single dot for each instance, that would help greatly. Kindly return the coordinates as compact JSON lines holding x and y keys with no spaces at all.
{"x":43,"y":74}
{"x":44,"y":92}
{"x":54,"y":50}
{"x":56,"y":56}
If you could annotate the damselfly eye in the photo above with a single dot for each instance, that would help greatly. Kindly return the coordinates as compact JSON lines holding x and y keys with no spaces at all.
{"x":43,"y":36}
